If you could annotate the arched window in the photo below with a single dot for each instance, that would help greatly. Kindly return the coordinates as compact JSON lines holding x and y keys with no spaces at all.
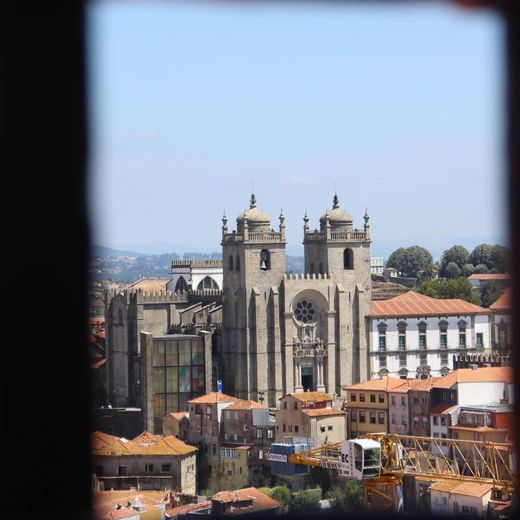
{"x":312,"y":267}
{"x":230,"y":263}
{"x":237,"y":263}
{"x":348,"y":259}
{"x":207,"y":283}
{"x":265,"y":260}
{"x":181,"y":284}
{"x":401,"y":329}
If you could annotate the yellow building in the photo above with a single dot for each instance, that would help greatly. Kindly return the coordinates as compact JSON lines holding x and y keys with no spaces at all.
{"x":310,"y":415}
{"x":367,"y":404}
{"x":233,"y":466}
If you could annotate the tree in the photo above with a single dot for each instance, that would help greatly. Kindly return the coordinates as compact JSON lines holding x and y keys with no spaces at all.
{"x":410,"y":260}
{"x":321,"y":478}
{"x":282,"y":494}
{"x":452,"y":270}
{"x":305,"y":502}
{"x":490,"y":292}
{"x":456,"y":254}
{"x":481,"y":269}
{"x":450,"y":288}
{"x":500,"y":258}
{"x":467,"y":270}
{"x":347,"y":497}
{"x":482,"y":254}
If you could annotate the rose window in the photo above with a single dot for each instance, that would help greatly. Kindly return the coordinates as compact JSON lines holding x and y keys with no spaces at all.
{"x":305,"y":312}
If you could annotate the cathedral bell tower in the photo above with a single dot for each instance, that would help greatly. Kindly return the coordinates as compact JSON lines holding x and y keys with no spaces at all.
{"x":254,"y":266}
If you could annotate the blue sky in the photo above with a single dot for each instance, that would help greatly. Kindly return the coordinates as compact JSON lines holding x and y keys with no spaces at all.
{"x":398,"y":109}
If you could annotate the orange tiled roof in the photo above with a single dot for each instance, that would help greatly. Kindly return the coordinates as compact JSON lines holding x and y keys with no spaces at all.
{"x":414,"y":304}
{"x":421,"y":384}
{"x":244,"y":404}
{"x":468,"y":375}
{"x":489,"y":276}
{"x":385,"y":384}
{"x":213,"y":398}
{"x":472,"y":489}
{"x":104,"y":502}
{"x":124,"y":512}
{"x":149,"y":284}
{"x":188,"y":508}
{"x":503,"y":303}
{"x":260,"y":501}
{"x":322,"y":412}
{"x":144,"y":444}
{"x":309,"y":396}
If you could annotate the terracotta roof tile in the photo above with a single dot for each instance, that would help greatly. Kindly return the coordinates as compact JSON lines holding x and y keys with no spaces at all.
{"x":310,"y":396}
{"x":503,"y":303}
{"x":213,"y":398}
{"x":385,"y":384}
{"x":149,"y":284}
{"x":188,"y":508}
{"x":179,"y":415}
{"x":415,"y":304}
{"x":472,"y":489}
{"x":260,"y":501}
{"x":244,"y":404}
{"x":479,"y":375}
{"x":322,"y":412}
{"x":489,"y":276}
{"x":442,"y":408}
{"x":169,"y":446}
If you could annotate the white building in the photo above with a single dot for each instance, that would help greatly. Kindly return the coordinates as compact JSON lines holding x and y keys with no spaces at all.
{"x":415,"y":336}
{"x":453,"y":497}
{"x":377,"y":265}
{"x":195,"y":275}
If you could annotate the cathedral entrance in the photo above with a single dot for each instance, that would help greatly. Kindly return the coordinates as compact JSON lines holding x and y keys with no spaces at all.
{"x":307,"y":379}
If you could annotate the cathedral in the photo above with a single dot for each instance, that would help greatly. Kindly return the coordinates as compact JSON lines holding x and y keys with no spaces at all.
{"x":286,"y":333}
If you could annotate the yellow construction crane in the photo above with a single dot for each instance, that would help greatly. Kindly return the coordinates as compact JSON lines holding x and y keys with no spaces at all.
{"x":381,"y":460}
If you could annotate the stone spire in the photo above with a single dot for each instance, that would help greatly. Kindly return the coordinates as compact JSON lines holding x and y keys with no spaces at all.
{"x":305,"y":222}
{"x":335,"y":201}
{"x":366,"y":227}
{"x":252,"y":202}
{"x":282,"y":225}
{"x":224,"y":223}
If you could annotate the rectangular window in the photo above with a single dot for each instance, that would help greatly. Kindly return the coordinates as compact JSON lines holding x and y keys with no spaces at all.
{"x":423,"y":359}
{"x":296,"y":428}
{"x":290,"y":427}
{"x":353,"y":416}
{"x":322,"y":429}
{"x":443,"y":421}
{"x":422,"y":341}
{"x":402,"y":360}
{"x":415,"y":400}
{"x":295,"y":405}
{"x":258,"y":433}
{"x":444,"y":340}
{"x":480,"y":340}
{"x":269,"y":434}
{"x":382,"y":361}
{"x":394,"y":420}
{"x":353,"y":397}
{"x":372,"y":398}
{"x":462,"y":340}
{"x":444,"y":358}
{"x":362,"y":418}
{"x":392,"y":400}
{"x":403,"y":401}
{"x":121,"y":471}
{"x":402,"y":342}
{"x":382,"y":342}
{"x":372,"y":417}
{"x":285,"y":405}
{"x":436,"y":435}
{"x":381,"y":398}
{"x":361,"y":398}
{"x":148,"y":468}
{"x":283,"y":427}
{"x":329,"y":427}
{"x":435,"y":420}
{"x":381,"y":418}
{"x":166,"y":468}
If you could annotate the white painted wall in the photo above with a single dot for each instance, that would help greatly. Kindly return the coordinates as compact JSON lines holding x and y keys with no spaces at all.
{"x":474,"y":324}
{"x":481,"y":393}
{"x":443,"y":502}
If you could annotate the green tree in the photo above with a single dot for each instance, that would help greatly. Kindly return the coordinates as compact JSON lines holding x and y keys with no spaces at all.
{"x":282,"y":494}
{"x":450,"y":288}
{"x":482,"y":254}
{"x":305,"y":502}
{"x":321,"y":477}
{"x":410,"y":260}
{"x":481,"y":269}
{"x":500,"y":258}
{"x":347,"y":497}
{"x":452,"y":270}
{"x":456,"y":254}
{"x":467,"y":270}
{"x":490,"y":292}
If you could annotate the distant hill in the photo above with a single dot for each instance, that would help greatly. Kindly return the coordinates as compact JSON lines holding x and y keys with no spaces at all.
{"x":96,"y":251}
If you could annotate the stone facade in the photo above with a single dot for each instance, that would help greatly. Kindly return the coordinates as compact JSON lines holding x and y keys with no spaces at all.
{"x":299,"y":332}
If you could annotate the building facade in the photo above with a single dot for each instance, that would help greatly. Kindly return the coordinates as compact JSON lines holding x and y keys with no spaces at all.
{"x":299,"y":332}
{"x":415,"y":336}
